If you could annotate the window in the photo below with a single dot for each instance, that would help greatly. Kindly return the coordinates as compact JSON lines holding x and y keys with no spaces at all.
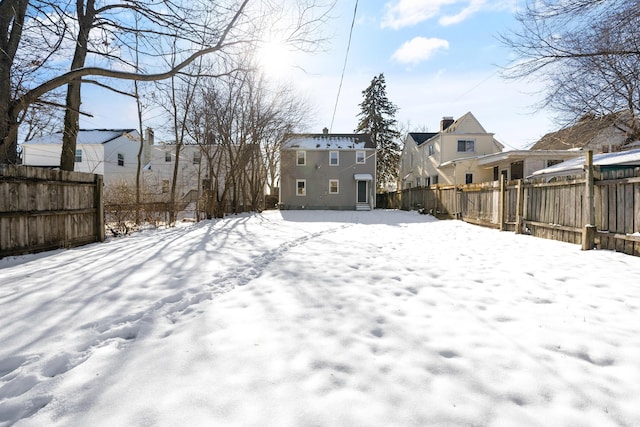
{"x":302,"y":158}
{"x":196,"y":158}
{"x":427,"y":181}
{"x":431,"y":150}
{"x":165,"y":185}
{"x":78,"y":156}
{"x":120,"y":159}
{"x":333,"y":186}
{"x":167,"y":156}
{"x":435,"y":180}
{"x":496,"y":173}
{"x":418,"y":182}
{"x":411,"y":160}
{"x":553,"y":162}
{"x":468,"y":178}
{"x":466,"y":146}
{"x":333,"y":158}
{"x":301,"y":187}
{"x":360,"y":157}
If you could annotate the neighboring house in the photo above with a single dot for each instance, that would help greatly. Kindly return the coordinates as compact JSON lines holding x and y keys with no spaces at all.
{"x":605,"y":161}
{"x":602,"y":134}
{"x":112,"y":153}
{"x":448,"y":156}
{"x":328,"y":171}
{"x":518,"y":164}
{"x":232,"y":175}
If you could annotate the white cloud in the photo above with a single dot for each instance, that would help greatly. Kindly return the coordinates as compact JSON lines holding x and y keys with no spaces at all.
{"x":474,"y":6}
{"x":405,"y":13}
{"x":419,"y":49}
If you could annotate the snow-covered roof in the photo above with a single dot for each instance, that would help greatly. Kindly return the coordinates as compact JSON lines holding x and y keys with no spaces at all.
{"x":330,"y":141}
{"x":576,"y":166}
{"x":87,"y":136}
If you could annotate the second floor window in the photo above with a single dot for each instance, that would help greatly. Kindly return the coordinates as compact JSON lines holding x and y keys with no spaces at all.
{"x":167,"y":157}
{"x":78,"y":156}
{"x":360,"y":157}
{"x":120,"y":159}
{"x":333,"y":158}
{"x":301,"y":158}
{"x":196,"y":158}
{"x":431,"y":150}
{"x":466,"y":146}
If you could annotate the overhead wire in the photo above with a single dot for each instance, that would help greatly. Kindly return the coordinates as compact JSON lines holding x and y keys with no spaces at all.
{"x":344,"y":67}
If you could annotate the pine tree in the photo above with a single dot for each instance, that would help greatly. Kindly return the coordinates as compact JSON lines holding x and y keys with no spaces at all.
{"x":377,"y":119}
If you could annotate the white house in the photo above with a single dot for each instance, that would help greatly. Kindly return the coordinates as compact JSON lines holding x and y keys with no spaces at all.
{"x":112,"y":153}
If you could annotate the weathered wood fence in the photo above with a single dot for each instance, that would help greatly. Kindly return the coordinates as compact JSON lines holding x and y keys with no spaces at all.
{"x":562,"y":210}
{"x":43,"y":209}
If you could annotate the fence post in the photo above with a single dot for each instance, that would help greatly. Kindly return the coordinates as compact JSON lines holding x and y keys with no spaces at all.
{"x":501,"y":202}
{"x":519,"y":208}
{"x":589,"y":227}
{"x":99,"y":203}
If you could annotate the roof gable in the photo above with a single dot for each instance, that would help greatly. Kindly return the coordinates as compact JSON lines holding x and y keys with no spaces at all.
{"x":582,"y":133}
{"x":466,"y":124}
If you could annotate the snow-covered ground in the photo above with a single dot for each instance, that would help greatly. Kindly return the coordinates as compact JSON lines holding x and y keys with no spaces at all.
{"x":381,"y":318}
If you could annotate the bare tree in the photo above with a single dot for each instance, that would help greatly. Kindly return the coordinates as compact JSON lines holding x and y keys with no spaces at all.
{"x":588,"y":51}
{"x":104,"y":32}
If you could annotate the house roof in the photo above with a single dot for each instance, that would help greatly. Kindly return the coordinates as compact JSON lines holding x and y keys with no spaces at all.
{"x":583,"y":132}
{"x":576,"y":166}
{"x":420,"y":137}
{"x":328,"y":141}
{"x":86,"y":136}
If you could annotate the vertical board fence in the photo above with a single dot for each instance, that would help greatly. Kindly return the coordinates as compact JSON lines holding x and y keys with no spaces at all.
{"x":552,"y":210}
{"x":42,"y":209}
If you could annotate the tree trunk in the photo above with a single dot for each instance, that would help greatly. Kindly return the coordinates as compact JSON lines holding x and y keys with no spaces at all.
{"x":72,"y":113}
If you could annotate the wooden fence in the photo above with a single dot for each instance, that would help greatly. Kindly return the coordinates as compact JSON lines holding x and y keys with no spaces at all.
{"x":42,"y":209}
{"x":562,"y":210}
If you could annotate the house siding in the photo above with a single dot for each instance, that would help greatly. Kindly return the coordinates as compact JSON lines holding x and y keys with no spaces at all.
{"x":318,"y":172}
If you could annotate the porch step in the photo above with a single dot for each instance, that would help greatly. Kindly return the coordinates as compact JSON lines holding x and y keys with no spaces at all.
{"x":363,"y":207}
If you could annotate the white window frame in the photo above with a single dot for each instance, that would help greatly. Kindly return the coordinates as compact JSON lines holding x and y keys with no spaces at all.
{"x":331,"y":158}
{"x":197,"y":158}
{"x":418,"y":181}
{"x":337,"y":185}
{"x":78,"y":158}
{"x":120,"y":159}
{"x":361,"y":157}
{"x":431,"y":150}
{"x":303,"y":188}
{"x":468,"y":143}
{"x":167,"y":156}
{"x":301,"y":155}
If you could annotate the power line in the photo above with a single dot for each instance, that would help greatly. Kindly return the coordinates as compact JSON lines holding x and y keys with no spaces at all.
{"x":344,"y":67}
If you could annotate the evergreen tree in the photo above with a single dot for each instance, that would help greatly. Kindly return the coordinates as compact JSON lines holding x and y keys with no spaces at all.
{"x":377,"y":119}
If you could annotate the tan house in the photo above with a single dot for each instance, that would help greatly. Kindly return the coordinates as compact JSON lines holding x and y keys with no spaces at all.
{"x":449,"y":156}
{"x":602,"y":134}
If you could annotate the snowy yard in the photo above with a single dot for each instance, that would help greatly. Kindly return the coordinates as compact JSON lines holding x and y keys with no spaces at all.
{"x":382,"y":318}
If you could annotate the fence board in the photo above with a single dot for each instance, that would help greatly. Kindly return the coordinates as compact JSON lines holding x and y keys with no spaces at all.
{"x":44,"y":209}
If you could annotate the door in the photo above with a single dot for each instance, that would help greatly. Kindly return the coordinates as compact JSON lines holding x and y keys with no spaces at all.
{"x":362,"y":192}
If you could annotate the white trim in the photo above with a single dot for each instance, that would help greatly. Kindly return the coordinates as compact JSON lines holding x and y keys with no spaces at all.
{"x":304,"y":187}
{"x":304,"y":158}
{"x":363,"y":177}
{"x":337,"y":181}
{"x":337,"y":153}
{"x":364,"y":157}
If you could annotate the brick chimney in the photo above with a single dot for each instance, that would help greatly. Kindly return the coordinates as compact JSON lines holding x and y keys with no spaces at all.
{"x":325,"y":131}
{"x":445,"y":123}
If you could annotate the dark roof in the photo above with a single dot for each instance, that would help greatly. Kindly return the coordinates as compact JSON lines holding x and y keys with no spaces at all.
{"x":582,"y":133}
{"x":420,"y":137}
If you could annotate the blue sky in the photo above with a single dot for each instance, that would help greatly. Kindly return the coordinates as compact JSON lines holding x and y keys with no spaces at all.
{"x":439,"y":57}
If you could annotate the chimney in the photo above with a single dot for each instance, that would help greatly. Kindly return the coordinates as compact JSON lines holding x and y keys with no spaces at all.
{"x":146,"y":152}
{"x":445,"y":123}
{"x":325,"y":131}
